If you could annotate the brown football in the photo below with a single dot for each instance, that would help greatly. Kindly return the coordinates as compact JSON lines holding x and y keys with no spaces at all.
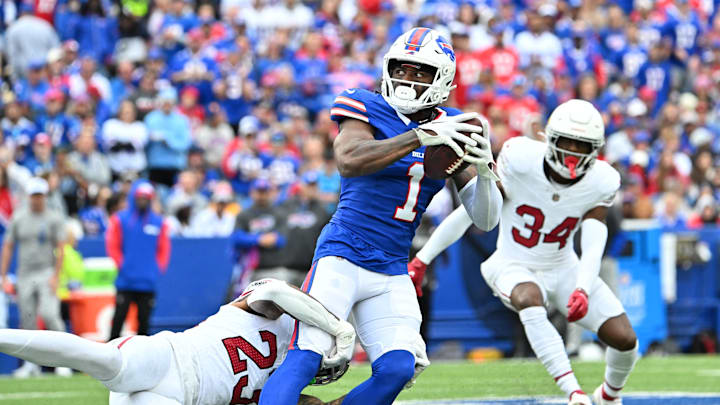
{"x":441,"y":162}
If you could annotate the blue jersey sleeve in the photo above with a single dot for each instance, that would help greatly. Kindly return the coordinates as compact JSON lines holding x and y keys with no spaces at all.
{"x":349,"y":104}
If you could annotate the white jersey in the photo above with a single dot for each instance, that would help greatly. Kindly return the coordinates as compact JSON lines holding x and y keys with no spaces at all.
{"x":540,"y":217}
{"x":228,"y":357}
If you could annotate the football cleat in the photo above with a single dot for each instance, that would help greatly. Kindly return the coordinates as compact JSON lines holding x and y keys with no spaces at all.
{"x":599,"y":399}
{"x":579,"y":398}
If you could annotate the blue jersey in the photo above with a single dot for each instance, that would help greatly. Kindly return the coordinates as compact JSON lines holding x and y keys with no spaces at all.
{"x":378,"y":213}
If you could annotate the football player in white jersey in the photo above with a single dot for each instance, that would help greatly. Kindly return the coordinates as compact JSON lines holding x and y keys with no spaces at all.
{"x":550,"y":190}
{"x":226,"y":359}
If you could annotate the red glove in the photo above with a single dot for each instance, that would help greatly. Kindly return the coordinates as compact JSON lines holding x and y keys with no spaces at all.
{"x":416,"y":270}
{"x":577,"y":305}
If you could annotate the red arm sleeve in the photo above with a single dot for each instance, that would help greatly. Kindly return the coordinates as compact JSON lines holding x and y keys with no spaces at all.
{"x":113,"y":241}
{"x":163,"y":249}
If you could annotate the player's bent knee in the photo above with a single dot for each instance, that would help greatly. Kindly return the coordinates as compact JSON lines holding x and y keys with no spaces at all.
{"x":526,"y":295}
{"x":395,"y":368}
{"x":626,"y":341}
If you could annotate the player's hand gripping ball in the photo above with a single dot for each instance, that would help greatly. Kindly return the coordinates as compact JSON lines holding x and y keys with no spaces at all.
{"x":443,"y":160}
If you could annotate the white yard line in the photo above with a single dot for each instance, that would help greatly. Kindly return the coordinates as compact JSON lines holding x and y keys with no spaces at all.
{"x":42,"y":395}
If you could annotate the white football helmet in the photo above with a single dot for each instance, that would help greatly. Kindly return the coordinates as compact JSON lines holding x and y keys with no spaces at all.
{"x":419,"y":46}
{"x":578,"y":120}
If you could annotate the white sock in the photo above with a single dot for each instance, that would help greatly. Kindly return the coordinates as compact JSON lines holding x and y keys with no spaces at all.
{"x":617,"y":370}
{"x":60,"y":349}
{"x":548,"y":347}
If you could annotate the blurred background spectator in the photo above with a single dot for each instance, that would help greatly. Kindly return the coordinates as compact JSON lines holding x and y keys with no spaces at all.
{"x":138,"y":241}
{"x":38,"y":232}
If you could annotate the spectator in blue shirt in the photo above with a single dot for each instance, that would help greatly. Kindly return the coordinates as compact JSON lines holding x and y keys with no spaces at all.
{"x":31,"y":90}
{"x":54,"y":121}
{"x":17,"y":130}
{"x":42,"y":159}
{"x":170,"y":139}
{"x":95,"y":32}
{"x":191,"y":67}
{"x":655,"y":74}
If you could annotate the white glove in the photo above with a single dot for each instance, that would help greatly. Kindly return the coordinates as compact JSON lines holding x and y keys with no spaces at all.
{"x":448,"y":132}
{"x":344,"y":346}
{"x":481,"y":156}
{"x":421,"y":362}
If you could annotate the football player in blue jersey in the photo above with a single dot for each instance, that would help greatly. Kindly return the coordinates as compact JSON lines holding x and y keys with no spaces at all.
{"x":360,"y":263}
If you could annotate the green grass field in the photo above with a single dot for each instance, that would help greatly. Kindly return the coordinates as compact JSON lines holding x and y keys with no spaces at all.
{"x":441,"y":381}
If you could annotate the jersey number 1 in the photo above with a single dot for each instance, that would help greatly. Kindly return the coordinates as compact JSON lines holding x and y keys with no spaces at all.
{"x":558,"y":235}
{"x":234,"y":346}
{"x":407,"y":212}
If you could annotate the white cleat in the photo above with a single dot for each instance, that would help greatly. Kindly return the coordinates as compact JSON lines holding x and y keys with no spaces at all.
{"x":599,"y":400}
{"x":63,"y":372}
{"x":579,"y":398}
{"x":27,"y":370}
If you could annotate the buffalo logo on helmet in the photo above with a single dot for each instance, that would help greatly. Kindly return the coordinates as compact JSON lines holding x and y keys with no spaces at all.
{"x":446,"y":48}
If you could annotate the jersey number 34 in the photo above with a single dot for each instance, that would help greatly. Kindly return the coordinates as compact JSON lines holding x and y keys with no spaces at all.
{"x":559,"y":234}
{"x":237,"y":344}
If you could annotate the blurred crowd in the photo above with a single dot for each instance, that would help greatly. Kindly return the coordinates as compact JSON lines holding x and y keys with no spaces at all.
{"x":206,"y":98}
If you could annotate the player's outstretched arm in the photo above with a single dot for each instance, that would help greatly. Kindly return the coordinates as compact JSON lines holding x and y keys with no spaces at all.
{"x":447,"y":233}
{"x":304,"y":308}
{"x":358,"y":153}
{"x":592,"y":242}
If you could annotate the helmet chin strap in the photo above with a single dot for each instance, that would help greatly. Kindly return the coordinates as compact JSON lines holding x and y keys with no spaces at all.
{"x":571,"y":163}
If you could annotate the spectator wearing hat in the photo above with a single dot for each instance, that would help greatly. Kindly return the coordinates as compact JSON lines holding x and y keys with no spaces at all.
{"x":214,"y":136}
{"x":138,"y":241}
{"x":261,"y":230}
{"x":124,"y":139}
{"x":170,"y":139}
{"x":190,"y":108}
{"x":218,"y":219}
{"x":27,"y":39}
{"x":39,"y":235}
{"x":53,"y":120}
{"x":41,"y":160}
{"x":31,"y":90}
{"x":306,"y":217}
{"x":241,"y":162}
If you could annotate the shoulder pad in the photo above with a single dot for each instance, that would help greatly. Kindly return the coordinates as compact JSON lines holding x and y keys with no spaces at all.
{"x":607,"y":181}
{"x":351,"y":103}
{"x":517,"y":154}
